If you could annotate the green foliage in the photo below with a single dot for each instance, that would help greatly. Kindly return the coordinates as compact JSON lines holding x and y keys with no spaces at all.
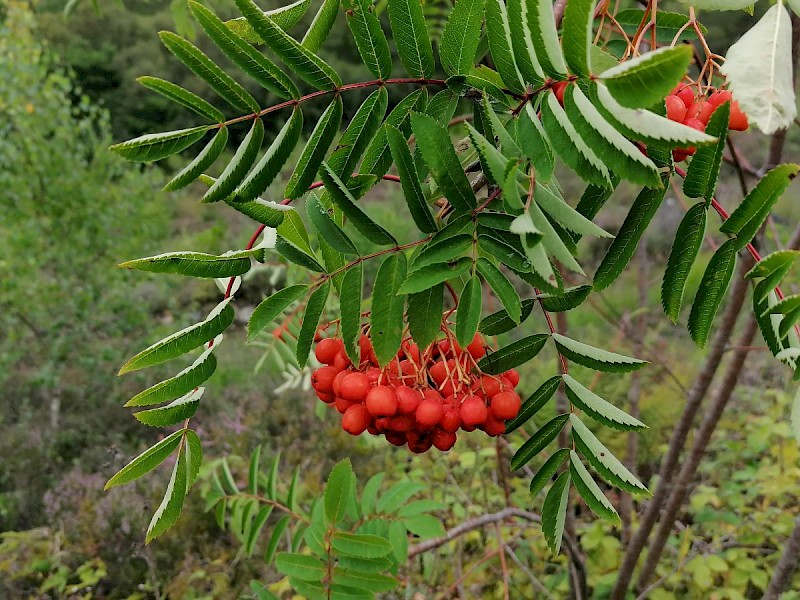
{"x":520,"y":238}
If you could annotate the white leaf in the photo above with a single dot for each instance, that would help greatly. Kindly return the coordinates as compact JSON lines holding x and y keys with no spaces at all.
{"x":759,"y":72}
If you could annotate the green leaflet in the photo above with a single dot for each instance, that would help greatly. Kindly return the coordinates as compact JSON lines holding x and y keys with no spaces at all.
{"x":202,"y":66}
{"x":321,"y":25}
{"x":377,"y":158}
{"x":590,"y":492}
{"x":155,"y":146}
{"x":538,"y":441}
{"x":247,"y":58}
{"x":201,"y":162}
{"x":362,"y":129}
{"x":669,"y":24}
{"x":492,"y":160}
{"x":270,"y":308}
{"x":411,"y":37}
{"x":441,"y":107}
{"x":596,"y":358}
{"x":646,"y":79}
{"x":361,"y":545}
{"x":412,"y":190}
{"x":347,"y":204}
{"x":641,"y":124}
{"x":602,"y":460}
{"x":183,"y":383}
{"x":445,"y":250}
{"x":194,"y":264}
{"x":274,"y":159}
{"x":592,"y":200}
{"x":461,"y":37}
{"x":688,"y":241}
{"x":431,"y":275}
{"x":314,"y":152}
{"x":285,"y":17}
{"x":369,"y":37}
{"x":703,"y":172}
{"x":503,"y":251}
{"x":712,"y":289}
{"x":570,"y":146}
{"x":496,"y":129}
{"x":350,"y":297}
{"x":293,"y":230}
{"x":300,"y":566}
{"x":469,"y":311}
{"x":276,"y":538}
{"x":184,"y":340}
{"x":307,"y":65}
{"x":565,"y":215}
{"x":146,"y":461}
{"x":751,"y":213}
{"x":554,"y":512}
{"x":386,"y":332}
{"x":577,"y":36}
{"x":167,"y":513}
{"x":176,"y":411}
{"x":498,"y":31}
{"x":622,"y":157}
{"x":624,"y":245}
{"x":543,"y":45}
{"x":502,"y":287}
{"x":437,"y":149}
{"x":548,"y":470}
{"x":294,"y":254}
{"x":569,"y":299}
{"x":774,"y":266}
{"x":513,"y":355}
{"x":534,"y":403}
{"x":527,"y":63}
{"x":425,"y":314}
{"x":530,"y":136}
{"x":240,"y":164}
{"x":551,"y":240}
{"x":183,"y":97}
{"x":599,"y":409}
{"x":327,"y":227}
{"x":311,"y":317}
{"x":339,"y":491}
{"x":360,"y":580}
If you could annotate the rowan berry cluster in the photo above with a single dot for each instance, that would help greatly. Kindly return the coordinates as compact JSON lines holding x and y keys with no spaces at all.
{"x":695,"y":111}
{"x":421,"y":398}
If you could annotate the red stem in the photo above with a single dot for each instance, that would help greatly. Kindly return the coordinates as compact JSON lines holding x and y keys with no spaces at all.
{"x":319,"y":93}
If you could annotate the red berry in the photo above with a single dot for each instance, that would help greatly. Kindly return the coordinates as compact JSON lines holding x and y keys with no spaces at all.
{"x":408,"y":399}
{"x":401,"y":423}
{"x":738,"y":119}
{"x":473,"y":411}
{"x":372,"y":428}
{"x":341,"y":361}
{"x":342,"y":405}
{"x":429,"y":413}
{"x":381,"y":401}
{"x":505,"y":405}
{"x":494,"y":427}
{"x":476,"y":347}
{"x":451,"y":420}
{"x":420,"y":446}
{"x":695,"y":124}
{"x":327,"y":350}
{"x":686,"y":94}
{"x":355,"y":419}
{"x":337,"y":381}
{"x":396,"y":439}
{"x":438,"y":372}
{"x":719,"y":97}
{"x":676,"y":109}
{"x":326,"y":397}
{"x":512,"y":375}
{"x":373,"y":374}
{"x":679,"y":155}
{"x":354,"y":387}
{"x":558,"y":89}
{"x":322,"y":379}
{"x":411,"y":352}
{"x":489,"y":384}
{"x":444,"y":440}
{"x":705,"y":112}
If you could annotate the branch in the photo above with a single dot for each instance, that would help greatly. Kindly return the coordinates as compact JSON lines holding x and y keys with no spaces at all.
{"x":786,"y":565}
